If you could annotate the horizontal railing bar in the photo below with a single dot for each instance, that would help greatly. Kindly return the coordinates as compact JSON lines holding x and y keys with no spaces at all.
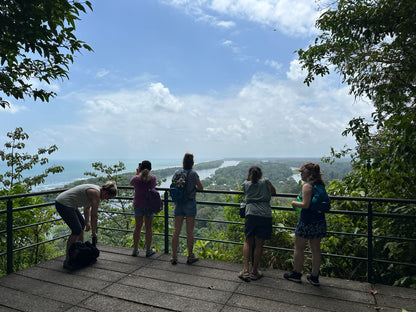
{"x":37,"y":244}
{"x":287,"y":195}
{"x":278,"y":227}
{"x":35,"y":224}
{"x":395,"y":262}
{"x":395,"y":238}
{"x":6,"y":197}
{"x":344,"y":198}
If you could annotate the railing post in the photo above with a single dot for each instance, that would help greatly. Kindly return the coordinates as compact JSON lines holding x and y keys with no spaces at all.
{"x":370,"y":243}
{"x":9,"y":230}
{"x":166,"y":202}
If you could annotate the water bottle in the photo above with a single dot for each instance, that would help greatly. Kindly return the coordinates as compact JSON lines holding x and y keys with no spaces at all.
{"x":299,"y":199}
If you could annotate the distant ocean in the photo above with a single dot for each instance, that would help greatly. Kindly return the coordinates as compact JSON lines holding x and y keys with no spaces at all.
{"x":74,"y":170}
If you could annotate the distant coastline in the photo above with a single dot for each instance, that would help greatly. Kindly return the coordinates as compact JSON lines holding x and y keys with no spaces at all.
{"x":75,"y":169}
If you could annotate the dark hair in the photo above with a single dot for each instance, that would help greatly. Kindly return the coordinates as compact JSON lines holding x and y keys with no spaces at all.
{"x":188,"y":161}
{"x":254,"y":174}
{"x":145,"y":167}
{"x":145,"y":164}
{"x":313,"y":172}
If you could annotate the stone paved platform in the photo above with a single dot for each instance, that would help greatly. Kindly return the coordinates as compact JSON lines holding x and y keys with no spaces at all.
{"x":119,"y":282}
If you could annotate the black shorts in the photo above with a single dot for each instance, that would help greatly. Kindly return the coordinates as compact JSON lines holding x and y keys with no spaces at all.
{"x":72,"y":218}
{"x":260,"y":227}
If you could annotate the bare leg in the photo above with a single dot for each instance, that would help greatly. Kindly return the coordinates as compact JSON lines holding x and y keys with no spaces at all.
{"x":175,"y":236}
{"x":258,"y":249}
{"x":248,"y":245}
{"x":137,"y":232}
{"x":149,"y":231}
{"x":299,"y":255}
{"x":315,"y":245}
{"x":190,"y":224}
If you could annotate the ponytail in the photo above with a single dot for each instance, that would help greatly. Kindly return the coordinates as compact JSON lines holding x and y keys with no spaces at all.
{"x":145,"y":175}
{"x":145,"y":166}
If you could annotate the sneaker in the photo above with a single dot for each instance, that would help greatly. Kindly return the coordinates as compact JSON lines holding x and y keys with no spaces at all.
{"x":135,"y":253}
{"x":192,"y":259}
{"x":314,"y":280}
{"x":174,"y":261}
{"x":150,"y":252}
{"x":293,"y":276}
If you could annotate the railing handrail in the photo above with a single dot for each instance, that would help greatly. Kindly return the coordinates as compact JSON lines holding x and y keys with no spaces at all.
{"x":368,"y":213}
{"x":230,"y":192}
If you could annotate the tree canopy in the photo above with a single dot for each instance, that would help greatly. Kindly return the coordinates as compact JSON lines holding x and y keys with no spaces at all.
{"x":37,"y":42}
{"x":19,"y":162}
{"x":372,"y":45}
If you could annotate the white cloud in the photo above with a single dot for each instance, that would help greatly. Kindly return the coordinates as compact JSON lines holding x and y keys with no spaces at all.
{"x":267,"y":117}
{"x":295,"y":72}
{"x":163,"y":99}
{"x":227,"y":43}
{"x":235,"y":49}
{"x":13,"y":108}
{"x":102,"y":73}
{"x":296,"y":18}
{"x":225,"y":24}
{"x":53,"y":86}
{"x":273,"y":64}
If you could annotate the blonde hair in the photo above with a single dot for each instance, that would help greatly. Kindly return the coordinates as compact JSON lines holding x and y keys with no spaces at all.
{"x":145,"y":167}
{"x":110,"y":187}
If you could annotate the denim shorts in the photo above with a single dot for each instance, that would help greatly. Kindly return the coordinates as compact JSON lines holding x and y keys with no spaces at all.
{"x":186,"y":208}
{"x":142,"y":212}
{"x":72,"y":217}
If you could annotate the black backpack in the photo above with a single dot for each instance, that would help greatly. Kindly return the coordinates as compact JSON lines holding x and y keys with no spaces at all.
{"x":82,"y":254}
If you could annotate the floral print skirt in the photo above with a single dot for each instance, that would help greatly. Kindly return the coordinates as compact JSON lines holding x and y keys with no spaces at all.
{"x":311,"y":230}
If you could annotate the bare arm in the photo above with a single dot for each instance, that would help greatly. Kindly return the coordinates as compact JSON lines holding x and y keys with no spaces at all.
{"x":272,"y":188}
{"x":199,"y":186}
{"x":306,"y":197}
{"x":95,"y":201}
{"x":87,"y":211}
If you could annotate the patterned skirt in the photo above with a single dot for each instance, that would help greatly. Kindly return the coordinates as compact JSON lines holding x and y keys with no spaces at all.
{"x":311,"y":230}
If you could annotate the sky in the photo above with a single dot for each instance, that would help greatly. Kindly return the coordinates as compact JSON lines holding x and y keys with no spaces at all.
{"x":216,"y":78}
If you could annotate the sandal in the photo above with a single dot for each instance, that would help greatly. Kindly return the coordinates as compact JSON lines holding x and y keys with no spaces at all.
{"x":244,"y":275}
{"x":256,"y":276}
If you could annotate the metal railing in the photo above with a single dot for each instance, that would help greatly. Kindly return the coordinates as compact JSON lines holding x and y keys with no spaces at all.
{"x":369,"y":215}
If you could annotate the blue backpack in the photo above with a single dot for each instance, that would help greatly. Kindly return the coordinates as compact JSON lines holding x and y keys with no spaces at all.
{"x":320,"y":203}
{"x":177,"y":188}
